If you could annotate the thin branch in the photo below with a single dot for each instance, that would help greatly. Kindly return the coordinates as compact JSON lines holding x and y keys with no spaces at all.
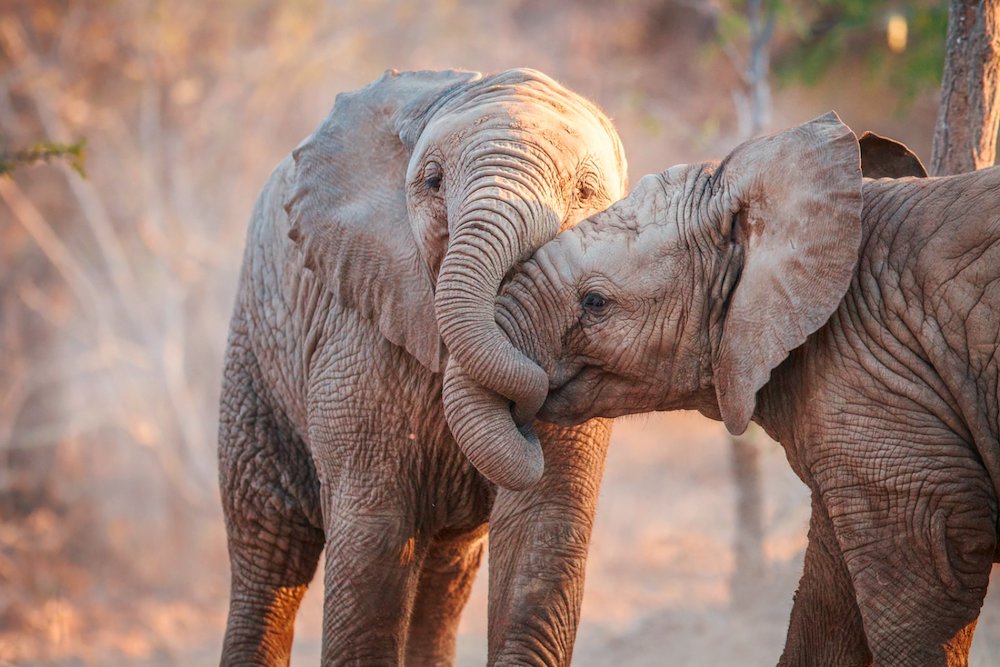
{"x":44,"y":151}
{"x":33,"y":222}
{"x":95,"y":214}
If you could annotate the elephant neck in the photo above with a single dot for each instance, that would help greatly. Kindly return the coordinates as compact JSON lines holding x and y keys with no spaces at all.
{"x":777,"y":402}
{"x":787,"y":404}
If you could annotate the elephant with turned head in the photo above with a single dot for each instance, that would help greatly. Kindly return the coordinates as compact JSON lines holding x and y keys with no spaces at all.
{"x":854,"y":319}
{"x":374,"y":255}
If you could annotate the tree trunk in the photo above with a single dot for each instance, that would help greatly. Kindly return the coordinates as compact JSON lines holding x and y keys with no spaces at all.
{"x":965,"y":136}
{"x":749,"y":566}
{"x":753,"y":113}
{"x":761,"y":22}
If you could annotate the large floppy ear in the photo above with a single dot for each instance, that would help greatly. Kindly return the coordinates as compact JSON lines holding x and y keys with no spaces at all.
{"x":882,"y":157}
{"x":347,"y":205}
{"x":795,"y":198}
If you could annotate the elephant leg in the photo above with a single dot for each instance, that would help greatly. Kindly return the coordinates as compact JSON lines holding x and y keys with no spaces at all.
{"x":268,"y":582}
{"x":538,"y":549}
{"x":825,"y":626}
{"x":446,"y":578}
{"x":373,"y":560}
{"x":271,"y":506}
{"x":916,"y":524}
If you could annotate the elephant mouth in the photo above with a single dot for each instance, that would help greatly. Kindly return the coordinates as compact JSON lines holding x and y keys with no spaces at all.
{"x":565,"y":374}
{"x":592,"y":391}
{"x":567,"y":397}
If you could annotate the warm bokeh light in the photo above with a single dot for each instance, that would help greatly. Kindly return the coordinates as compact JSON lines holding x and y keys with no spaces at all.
{"x":896,"y":32}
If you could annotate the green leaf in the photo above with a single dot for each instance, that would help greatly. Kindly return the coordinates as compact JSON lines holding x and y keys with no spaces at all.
{"x":45,"y":151}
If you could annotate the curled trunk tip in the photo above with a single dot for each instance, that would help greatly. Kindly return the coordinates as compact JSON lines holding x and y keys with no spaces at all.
{"x":481,"y":421}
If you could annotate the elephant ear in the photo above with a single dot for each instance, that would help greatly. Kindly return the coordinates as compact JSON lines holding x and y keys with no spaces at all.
{"x":795,"y":198}
{"x":882,"y":157}
{"x":347,"y":207}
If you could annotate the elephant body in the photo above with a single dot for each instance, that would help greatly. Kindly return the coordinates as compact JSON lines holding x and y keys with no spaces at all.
{"x":332,"y":429}
{"x":856,"y":320}
{"x":382,"y":432}
{"x":889,"y":414}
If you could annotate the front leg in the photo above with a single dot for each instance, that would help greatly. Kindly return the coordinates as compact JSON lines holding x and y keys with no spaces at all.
{"x":825,"y":626}
{"x":375,"y":539}
{"x":538,"y":549}
{"x":373,"y":560}
{"x":915,"y":519}
{"x":446,"y":578}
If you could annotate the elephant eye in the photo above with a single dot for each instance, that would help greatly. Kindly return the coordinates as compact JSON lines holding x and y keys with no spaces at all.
{"x":433,"y":175}
{"x":594,"y":302}
{"x":584,"y":192}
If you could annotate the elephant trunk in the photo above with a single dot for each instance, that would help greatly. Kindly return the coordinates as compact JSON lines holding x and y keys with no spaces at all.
{"x":485,"y":369}
{"x":480,"y":419}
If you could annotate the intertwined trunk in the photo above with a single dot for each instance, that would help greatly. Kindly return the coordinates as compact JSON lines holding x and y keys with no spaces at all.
{"x":485,"y":372}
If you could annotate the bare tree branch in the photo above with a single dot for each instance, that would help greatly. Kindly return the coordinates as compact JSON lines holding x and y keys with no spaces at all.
{"x":33,"y":222}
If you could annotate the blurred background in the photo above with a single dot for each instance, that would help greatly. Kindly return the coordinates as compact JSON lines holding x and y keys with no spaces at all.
{"x":118,"y":264}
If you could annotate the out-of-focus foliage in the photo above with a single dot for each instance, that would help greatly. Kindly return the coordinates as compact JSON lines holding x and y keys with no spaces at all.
{"x":834,"y":36}
{"x":815,"y":42}
{"x":44,"y":151}
{"x":733,"y":26}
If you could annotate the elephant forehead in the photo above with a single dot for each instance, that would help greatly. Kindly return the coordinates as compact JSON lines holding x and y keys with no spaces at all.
{"x":635,"y":263}
{"x":573,"y":130}
{"x":637,"y":243}
{"x":648,"y":213}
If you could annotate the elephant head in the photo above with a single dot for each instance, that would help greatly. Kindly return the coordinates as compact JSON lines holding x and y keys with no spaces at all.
{"x":687,"y":293}
{"x":417,"y":195}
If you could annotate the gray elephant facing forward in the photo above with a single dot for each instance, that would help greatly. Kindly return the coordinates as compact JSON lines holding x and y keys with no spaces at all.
{"x":405,"y":210}
{"x":856,"y":320}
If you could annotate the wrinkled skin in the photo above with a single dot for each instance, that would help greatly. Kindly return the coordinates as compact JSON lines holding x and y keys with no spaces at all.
{"x":856,"y":320}
{"x":370,"y":255}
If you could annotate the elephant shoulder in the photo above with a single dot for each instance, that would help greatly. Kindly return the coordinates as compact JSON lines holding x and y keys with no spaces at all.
{"x":270,"y":259}
{"x":277,"y":300}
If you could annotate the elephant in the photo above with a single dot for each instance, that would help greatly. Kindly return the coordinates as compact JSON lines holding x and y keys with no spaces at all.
{"x":373,"y":257}
{"x":854,"y":319}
